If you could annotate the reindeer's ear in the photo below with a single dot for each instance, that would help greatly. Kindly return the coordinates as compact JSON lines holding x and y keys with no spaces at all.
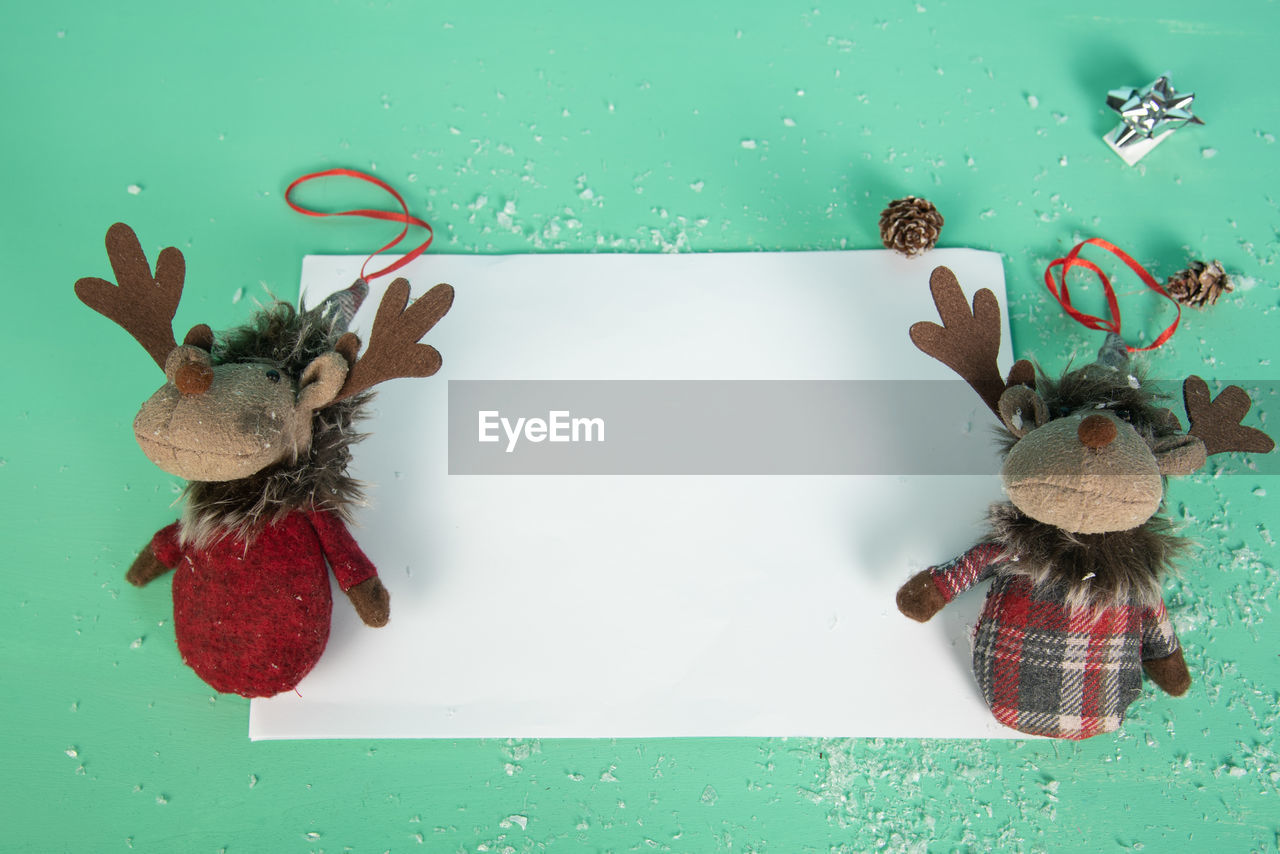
{"x":1179,"y":454}
{"x":1022,"y":410}
{"x":321,"y":381}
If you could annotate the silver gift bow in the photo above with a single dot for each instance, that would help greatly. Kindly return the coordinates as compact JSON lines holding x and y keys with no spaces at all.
{"x":1151,"y":110}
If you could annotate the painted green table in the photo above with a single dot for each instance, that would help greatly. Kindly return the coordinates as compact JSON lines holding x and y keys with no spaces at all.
{"x":575,"y":127}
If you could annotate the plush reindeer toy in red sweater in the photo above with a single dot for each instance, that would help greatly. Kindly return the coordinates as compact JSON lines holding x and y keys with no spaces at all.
{"x":259,"y":421}
{"x":1075,"y":557}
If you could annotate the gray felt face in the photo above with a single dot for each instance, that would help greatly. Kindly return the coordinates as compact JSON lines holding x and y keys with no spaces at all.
{"x":249,"y":416}
{"x":1055,"y":478}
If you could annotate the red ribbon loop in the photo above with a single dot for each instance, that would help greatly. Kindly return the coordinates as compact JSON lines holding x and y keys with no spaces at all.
{"x":1112,"y":324}
{"x":389,"y":216}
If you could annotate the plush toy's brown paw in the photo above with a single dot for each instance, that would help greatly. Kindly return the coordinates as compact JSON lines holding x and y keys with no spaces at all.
{"x":372,"y":602}
{"x":146,"y":567}
{"x":1170,"y":673}
{"x":920,"y":598}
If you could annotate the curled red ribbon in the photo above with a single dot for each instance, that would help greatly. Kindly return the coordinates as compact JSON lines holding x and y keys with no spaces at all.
{"x":1111,"y":324}
{"x":390,"y":216}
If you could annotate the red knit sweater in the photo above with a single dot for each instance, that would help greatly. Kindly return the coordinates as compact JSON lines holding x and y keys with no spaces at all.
{"x":253,"y":618}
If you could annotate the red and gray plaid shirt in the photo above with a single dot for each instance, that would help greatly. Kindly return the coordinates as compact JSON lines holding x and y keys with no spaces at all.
{"x":1046,"y":668}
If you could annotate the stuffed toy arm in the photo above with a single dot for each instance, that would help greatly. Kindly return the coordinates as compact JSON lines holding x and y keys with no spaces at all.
{"x":1162,"y":657}
{"x":159,"y":556}
{"x":356,"y":574}
{"x":928,"y":591}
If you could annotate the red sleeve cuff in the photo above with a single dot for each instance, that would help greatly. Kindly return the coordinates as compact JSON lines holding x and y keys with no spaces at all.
{"x":164,"y":545}
{"x":349,"y":564}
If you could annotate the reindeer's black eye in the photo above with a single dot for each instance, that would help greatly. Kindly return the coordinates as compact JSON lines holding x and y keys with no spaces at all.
{"x":273,"y":375}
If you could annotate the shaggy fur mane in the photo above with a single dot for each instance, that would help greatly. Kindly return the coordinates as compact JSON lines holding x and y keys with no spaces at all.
{"x":1125,"y":394}
{"x":1094,"y":570}
{"x":288,"y":339}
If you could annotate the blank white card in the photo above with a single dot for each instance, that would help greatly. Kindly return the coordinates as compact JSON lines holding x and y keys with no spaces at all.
{"x":662,"y":605}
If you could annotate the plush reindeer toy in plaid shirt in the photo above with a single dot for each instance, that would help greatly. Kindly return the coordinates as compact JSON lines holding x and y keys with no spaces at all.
{"x":1076,"y":555}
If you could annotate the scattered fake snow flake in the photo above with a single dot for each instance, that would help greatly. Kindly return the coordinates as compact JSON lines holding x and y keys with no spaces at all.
{"x":1206,"y":153}
{"x":137,"y":642}
{"x":1016,"y":420}
{"x":697,"y":186}
{"x":238,"y":295}
{"x":710,"y":795}
{"x":72,"y":752}
{"x":1133,"y":382}
{"x":1260,"y":492}
{"x":1032,"y":101}
{"x":789,"y":122}
{"x":481,"y":201}
{"x":506,"y":217}
{"x":522,"y":820}
{"x":134,"y":189}
{"x":749,"y":144}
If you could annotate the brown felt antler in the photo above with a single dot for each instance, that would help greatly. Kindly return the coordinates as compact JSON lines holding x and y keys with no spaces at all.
{"x":393,"y":349}
{"x":968,"y":342}
{"x":1216,"y":421}
{"x":142,"y":304}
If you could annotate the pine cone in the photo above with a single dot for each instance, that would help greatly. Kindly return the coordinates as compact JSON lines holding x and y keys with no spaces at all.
{"x":910,"y":225}
{"x":1200,"y":284}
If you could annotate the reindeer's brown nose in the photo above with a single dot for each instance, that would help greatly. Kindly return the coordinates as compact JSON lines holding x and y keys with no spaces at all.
{"x":1096,"y":431}
{"x":193,"y":378}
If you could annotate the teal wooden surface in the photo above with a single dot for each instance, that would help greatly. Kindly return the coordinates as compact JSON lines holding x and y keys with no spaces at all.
{"x":573,"y":127}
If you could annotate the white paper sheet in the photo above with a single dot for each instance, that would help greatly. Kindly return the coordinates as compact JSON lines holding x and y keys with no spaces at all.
{"x":612,"y":606}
